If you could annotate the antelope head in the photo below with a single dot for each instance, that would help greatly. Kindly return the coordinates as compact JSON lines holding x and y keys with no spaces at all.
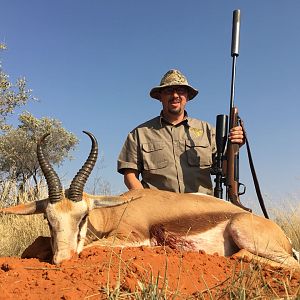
{"x":65,"y":211}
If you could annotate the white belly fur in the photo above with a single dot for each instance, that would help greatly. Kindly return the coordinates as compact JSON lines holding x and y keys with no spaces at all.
{"x":215,"y":240}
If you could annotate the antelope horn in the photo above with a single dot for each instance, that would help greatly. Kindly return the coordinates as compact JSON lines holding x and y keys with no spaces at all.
{"x":53,"y":182}
{"x":78,"y":182}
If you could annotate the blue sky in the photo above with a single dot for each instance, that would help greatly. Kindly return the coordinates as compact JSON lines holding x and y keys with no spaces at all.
{"x":92,"y":63}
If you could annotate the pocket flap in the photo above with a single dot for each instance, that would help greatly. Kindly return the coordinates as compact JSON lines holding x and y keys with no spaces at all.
{"x":150,"y":147}
{"x":196,"y":143}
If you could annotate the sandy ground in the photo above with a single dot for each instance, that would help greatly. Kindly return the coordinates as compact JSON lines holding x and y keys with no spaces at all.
{"x":96,"y":272}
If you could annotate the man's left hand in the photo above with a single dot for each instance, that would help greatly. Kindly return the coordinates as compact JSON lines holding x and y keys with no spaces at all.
{"x":236,"y":135}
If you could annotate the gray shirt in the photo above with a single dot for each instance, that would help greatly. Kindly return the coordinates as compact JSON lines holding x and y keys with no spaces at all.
{"x":170,"y":157}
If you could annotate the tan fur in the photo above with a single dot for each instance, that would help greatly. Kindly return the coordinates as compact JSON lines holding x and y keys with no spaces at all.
{"x":65,"y":205}
{"x":153,"y":217}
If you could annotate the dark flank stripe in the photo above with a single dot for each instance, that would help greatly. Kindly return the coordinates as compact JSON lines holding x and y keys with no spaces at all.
{"x":193,"y":224}
{"x":175,"y":233}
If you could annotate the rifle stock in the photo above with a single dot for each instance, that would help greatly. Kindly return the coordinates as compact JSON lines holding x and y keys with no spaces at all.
{"x":232,"y":166}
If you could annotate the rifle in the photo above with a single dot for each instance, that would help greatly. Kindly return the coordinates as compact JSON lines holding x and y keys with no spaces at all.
{"x":227,"y":165}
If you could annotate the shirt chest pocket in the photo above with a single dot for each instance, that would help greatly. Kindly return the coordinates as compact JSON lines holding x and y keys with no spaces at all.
{"x":154,"y":156}
{"x":198,"y":153}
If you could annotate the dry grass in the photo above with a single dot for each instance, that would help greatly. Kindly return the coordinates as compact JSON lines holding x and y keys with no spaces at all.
{"x":18,"y":232}
{"x":287,"y":216}
{"x":251,"y":283}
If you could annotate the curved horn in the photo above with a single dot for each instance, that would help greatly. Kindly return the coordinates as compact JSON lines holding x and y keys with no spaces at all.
{"x":78,"y":182}
{"x":53,"y":182}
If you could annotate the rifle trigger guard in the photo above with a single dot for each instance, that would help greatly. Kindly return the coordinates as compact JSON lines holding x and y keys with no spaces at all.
{"x":244,"y":189}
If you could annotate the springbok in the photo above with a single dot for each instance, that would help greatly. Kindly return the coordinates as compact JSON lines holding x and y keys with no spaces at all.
{"x":152,"y":218}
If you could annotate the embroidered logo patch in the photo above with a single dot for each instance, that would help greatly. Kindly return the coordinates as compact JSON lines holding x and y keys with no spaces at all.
{"x":196,"y":131}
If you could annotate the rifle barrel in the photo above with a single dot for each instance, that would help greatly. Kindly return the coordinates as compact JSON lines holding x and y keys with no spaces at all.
{"x":232,"y":87}
{"x":235,"y":43}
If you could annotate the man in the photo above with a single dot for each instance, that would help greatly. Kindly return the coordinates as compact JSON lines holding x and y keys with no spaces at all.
{"x":172,"y":152}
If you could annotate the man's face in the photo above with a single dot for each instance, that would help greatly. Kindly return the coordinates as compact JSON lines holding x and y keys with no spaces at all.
{"x":173,"y":100}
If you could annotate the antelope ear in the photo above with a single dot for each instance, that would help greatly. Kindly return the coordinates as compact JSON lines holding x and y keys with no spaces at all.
{"x":109,"y":201}
{"x":36,"y":207}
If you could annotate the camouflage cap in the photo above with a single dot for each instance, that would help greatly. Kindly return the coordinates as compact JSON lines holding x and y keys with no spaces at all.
{"x":172,"y":78}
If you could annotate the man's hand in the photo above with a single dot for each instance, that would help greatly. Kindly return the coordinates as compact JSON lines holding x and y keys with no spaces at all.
{"x":236,"y":135}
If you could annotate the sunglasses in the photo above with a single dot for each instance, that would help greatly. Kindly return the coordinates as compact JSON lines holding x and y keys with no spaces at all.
{"x":180,"y":90}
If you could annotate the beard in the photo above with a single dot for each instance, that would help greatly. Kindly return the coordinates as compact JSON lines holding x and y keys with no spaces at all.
{"x":175,"y":110}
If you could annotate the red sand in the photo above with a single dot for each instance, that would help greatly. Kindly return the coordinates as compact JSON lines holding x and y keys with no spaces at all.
{"x":89,"y":275}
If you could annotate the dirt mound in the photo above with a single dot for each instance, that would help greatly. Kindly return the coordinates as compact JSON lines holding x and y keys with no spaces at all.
{"x":96,"y":272}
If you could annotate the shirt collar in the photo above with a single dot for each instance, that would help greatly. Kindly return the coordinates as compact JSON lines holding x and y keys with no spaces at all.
{"x":163,"y":121}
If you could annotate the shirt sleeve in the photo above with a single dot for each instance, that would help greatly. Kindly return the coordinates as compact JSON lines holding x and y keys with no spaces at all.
{"x":129,"y":157}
